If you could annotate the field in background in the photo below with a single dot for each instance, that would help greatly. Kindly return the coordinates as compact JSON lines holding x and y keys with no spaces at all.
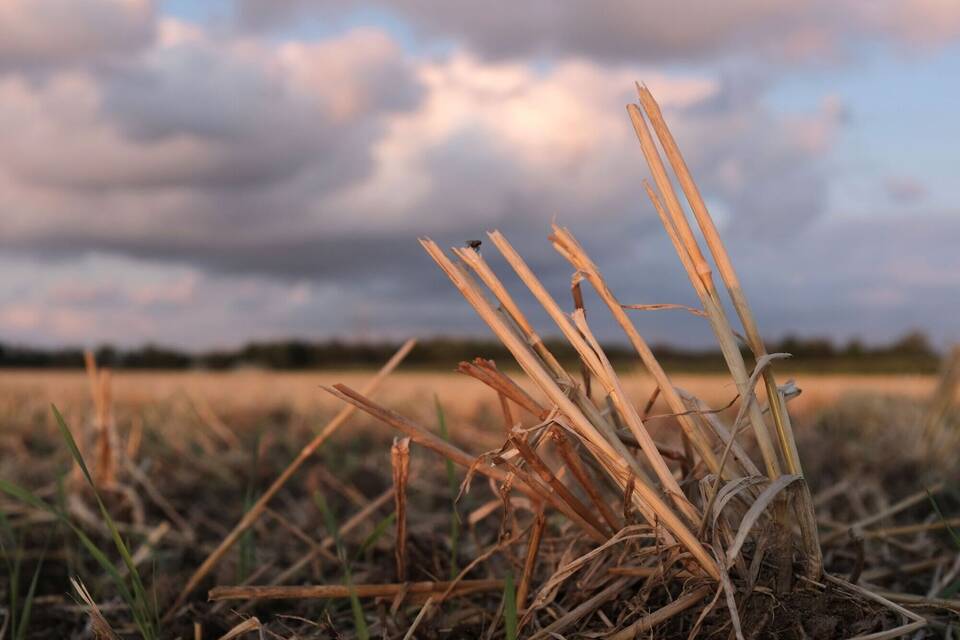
{"x":237,"y":393}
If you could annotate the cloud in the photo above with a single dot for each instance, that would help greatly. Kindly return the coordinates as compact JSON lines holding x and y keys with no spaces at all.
{"x":294,"y":158}
{"x":208,"y":186}
{"x":871,"y":276}
{"x":39,"y":33}
{"x":99,"y":299}
{"x":294,"y":163}
{"x":196,"y":145}
{"x":202,"y":113}
{"x":647,"y":30}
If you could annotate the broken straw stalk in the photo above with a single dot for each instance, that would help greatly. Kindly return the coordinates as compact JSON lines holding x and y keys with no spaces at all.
{"x":781,"y":419}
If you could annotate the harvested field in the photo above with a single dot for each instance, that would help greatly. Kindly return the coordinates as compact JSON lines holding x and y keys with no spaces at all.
{"x":847,"y":431}
{"x":539,"y":503}
{"x":253,"y":391}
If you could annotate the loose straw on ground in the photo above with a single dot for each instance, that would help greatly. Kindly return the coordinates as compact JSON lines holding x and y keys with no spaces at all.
{"x":662,"y":614}
{"x":258,"y":508}
{"x":323,"y":591}
{"x":400,"y":461}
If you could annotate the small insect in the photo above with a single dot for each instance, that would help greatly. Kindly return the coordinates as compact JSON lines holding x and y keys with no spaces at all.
{"x":473,"y":244}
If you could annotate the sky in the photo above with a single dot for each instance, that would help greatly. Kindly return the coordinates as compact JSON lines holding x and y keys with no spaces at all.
{"x":200,"y":174}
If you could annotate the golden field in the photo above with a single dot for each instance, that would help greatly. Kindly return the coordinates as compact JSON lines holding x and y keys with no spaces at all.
{"x":465,"y":400}
{"x":239,"y":389}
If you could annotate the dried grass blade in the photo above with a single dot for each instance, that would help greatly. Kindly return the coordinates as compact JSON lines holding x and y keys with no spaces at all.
{"x":727,"y":273}
{"x":341,"y":591}
{"x":678,"y":229}
{"x":582,"y":610}
{"x":248,"y":625}
{"x":753,"y":514}
{"x":662,"y":614}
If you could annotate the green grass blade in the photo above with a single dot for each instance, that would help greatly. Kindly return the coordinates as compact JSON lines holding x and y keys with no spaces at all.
{"x":510,"y":607}
{"x":454,"y":491}
{"x":359,"y":621}
{"x":135,"y":595}
{"x":375,"y":535}
{"x":330,"y":522}
{"x":950,"y":530}
{"x":13,"y":561}
{"x":72,"y":444}
{"x":61,"y":505}
{"x":25,"y":496}
{"x":21,"y":629}
{"x":954,"y":588}
{"x":145,"y":617}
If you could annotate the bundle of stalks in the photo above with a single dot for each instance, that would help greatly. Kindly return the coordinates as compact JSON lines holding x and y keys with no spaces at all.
{"x":710,"y":519}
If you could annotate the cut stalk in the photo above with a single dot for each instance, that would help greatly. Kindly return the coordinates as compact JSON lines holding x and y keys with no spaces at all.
{"x":711,"y":299}
{"x":524,"y":481}
{"x":503,"y":385}
{"x":325,"y":591}
{"x":479,"y":266}
{"x":727,"y":273}
{"x":778,"y":409}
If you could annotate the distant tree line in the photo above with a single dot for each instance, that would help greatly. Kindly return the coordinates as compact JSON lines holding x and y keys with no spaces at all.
{"x":913,"y":353}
